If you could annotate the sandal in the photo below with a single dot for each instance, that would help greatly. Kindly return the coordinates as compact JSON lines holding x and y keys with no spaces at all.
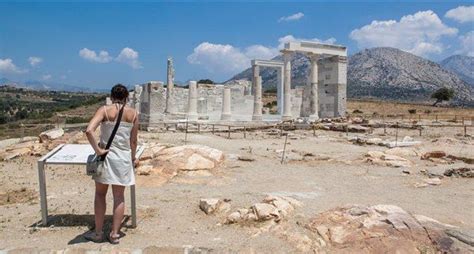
{"x":94,"y":236}
{"x":113,"y":239}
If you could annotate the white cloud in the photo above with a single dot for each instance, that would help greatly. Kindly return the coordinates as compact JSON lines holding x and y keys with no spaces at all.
{"x":34,"y":60}
{"x":294,"y":17}
{"x":7,"y":66}
{"x":228,"y":59}
{"x":466,"y":44}
{"x":461,"y":14}
{"x":92,"y":56}
{"x":219,"y":57}
{"x":46,"y":77}
{"x":130,"y":57}
{"x":419,"y":33}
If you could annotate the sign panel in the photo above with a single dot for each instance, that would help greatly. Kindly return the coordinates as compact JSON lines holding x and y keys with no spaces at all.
{"x":76,"y":154}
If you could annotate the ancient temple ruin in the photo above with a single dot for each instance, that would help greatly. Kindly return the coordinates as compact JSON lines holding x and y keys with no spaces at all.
{"x":324,"y":95}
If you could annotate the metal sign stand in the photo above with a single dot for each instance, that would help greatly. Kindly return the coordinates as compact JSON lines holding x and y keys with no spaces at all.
{"x":65,"y":155}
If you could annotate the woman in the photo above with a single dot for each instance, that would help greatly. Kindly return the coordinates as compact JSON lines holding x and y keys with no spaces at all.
{"x":119,"y":161}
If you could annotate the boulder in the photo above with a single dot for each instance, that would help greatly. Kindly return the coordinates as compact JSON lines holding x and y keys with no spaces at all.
{"x":376,"y":229}
{"x":167,"y":160}
{"x":51,"y":135}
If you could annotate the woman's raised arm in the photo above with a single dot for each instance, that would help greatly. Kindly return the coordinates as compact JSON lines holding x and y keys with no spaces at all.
{"x":134,"y":139}
{"x":93,"y":124}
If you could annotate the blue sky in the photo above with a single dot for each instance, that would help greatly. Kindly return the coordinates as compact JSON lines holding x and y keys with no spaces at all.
{"x":62,"y":42}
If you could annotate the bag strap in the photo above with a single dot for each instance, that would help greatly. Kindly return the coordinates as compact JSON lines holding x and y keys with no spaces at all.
{"x":114,"y":131}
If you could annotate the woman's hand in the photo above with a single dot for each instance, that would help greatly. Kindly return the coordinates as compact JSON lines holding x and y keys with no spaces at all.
{"x":136,"y":162}
{"x":101,"y":151}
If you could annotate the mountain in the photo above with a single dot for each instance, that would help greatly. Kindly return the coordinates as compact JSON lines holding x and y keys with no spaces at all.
{"x":390,"y":73}
{"x":461,"y":65}
{"x":43,"y":85}
{"x":384,"y":73}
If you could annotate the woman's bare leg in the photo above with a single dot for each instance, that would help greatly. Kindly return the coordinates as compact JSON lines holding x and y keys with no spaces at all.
{"x":119,"y":208}
{"x":100,"y":206}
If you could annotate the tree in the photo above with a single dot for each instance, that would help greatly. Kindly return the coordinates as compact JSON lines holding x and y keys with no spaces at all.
{"x":205,"y":81}
{"x":442,"y":94}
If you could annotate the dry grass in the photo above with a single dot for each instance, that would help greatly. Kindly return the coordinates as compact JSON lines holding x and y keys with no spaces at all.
{"x":396,"y":108}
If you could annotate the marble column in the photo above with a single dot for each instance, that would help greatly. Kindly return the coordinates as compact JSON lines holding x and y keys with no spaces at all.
{"x":286,"y":85}
{"x":192,"y":101}
{"x":170,"y":107}
{"x":226,"y":102}
{"x":280,"y":78}
{"x":255,"y":75}
{"x":138,"y":97}
{"x":257,"y":99}
{"x":314,"y":103}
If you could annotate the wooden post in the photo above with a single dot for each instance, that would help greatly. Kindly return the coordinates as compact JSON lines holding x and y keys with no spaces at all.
{"x":436,"y":118}
{"x":186,"y":132}
{"x":199,"y":128}
{"x":455,"y":118}
{"x":396,"y":135}
{"x":420,"y":130}
{"x":462,"y":119}
{"x":281,"y":130}
{"x":314,"y":131}
{"x":419,"y":117}
{"x":228,"y":133}
{"x":465,"y":131}
{"x":284,"y":149}
{"x":245,"y":132}
{"x":213,"y":126}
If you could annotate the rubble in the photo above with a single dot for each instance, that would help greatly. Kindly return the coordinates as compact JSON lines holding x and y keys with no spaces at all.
{"x":460,"y":172}
{"x":384,"y":159}
{"x":272,"y":208}
{"x":213,"y":205}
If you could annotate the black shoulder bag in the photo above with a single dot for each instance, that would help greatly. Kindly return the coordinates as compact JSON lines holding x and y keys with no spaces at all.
{"x":95,"y":163}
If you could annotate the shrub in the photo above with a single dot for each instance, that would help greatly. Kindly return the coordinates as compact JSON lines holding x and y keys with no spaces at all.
{"x":357,"y":111}
{"x":412,"y":111}
{"x":442,"y":94}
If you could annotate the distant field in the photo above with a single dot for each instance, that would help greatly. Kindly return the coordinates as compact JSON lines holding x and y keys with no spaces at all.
{"x":369,"y":107}
{"x":26,"y":112}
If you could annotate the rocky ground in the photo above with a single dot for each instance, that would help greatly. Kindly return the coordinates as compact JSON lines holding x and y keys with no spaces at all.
{"x":333,"y":192}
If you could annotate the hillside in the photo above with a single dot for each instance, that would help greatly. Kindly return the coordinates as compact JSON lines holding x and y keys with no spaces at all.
{"x":384,"y":73}
{"x":461,"y":65}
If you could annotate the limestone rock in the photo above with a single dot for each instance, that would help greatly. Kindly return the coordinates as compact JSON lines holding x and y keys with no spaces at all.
{"x":209,"y":205}
{"x":433,"y":181}
{"x":376,"y":229}
{"x":17,"y":152}
{"x":265,"y":211}
{"x":51,"y":135}
{"x":213,"y":205}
